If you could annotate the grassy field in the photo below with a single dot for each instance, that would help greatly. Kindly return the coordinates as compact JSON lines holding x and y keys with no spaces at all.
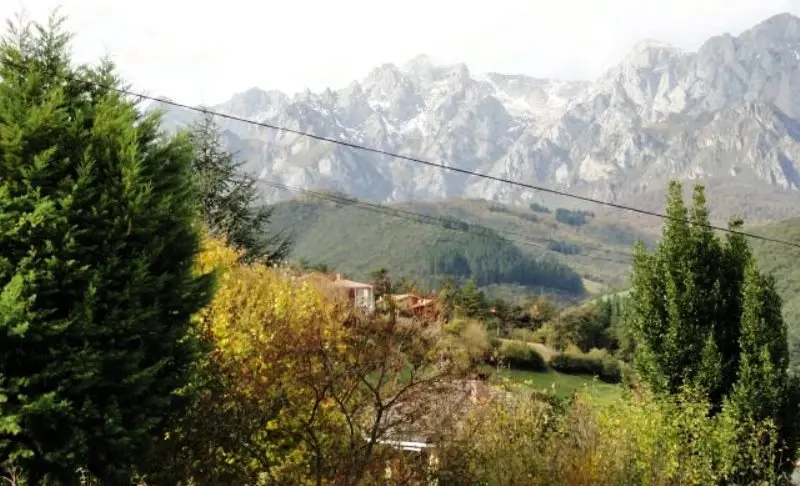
{"x":561,"y":384}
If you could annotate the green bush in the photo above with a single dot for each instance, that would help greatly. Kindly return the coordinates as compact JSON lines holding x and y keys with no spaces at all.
{"x":98,"y":236}
{"x":494,"y":349}
{"x":521,"y":356}
{"x":596,"y":362}
{"x":564,"y":247}
{"x":546,"y":335}
{"x":455,"y":326}
{"x":634,"y":442}
{"x":525,"y":335}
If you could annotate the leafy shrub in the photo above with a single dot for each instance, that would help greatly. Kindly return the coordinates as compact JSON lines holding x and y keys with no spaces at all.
{"x":455,"y":326}
{"x":640,"y":441}
{"x":573,"y":218}
{"x":539,"y":208}
{"x":523,"y":357}
{"x":474,"y":341}
{"x":597,"y":362}
{"x":545,"y":335}
{"x":524,"y":335}
{"x":564,"y":247}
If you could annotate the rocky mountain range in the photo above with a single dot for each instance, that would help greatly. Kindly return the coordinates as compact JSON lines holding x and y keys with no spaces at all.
{"x":726,"y":114}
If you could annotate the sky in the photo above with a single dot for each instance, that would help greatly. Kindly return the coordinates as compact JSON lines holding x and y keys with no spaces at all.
{"x":204,"y":52}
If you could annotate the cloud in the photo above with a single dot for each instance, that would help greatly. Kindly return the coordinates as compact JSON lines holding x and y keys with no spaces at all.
{"x":205,"y":51}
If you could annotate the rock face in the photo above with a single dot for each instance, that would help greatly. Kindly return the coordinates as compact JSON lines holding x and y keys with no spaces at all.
{"x":727,"y":112}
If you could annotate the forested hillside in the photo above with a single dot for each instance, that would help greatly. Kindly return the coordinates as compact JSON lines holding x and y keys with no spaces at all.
{"x":539,"y":248}
{"x":351,"y":239}
{"x":784,"y":263}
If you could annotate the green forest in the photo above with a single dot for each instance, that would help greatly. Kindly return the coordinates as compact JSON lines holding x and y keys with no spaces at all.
{"x":458,"y":238}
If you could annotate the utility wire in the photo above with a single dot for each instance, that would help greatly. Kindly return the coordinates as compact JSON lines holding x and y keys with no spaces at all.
{"x":442,"y":221}
{"x":365,"y":148}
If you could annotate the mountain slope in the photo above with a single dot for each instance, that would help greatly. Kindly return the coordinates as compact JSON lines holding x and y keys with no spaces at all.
{"x":493,"y":243}
{"x":782,"y":262}
{"x":726,"y":112}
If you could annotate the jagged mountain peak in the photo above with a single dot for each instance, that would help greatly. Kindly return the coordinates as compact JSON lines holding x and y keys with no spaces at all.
{"x":648,"y":54}
{"x":420,"y":63}
{"x":727,"y":110}
{"x":255,"y":102}
{"x":784,"y":26}
{"x":652,"y":44}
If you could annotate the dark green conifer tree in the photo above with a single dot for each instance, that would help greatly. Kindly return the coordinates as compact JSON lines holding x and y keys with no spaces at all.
{"x":97,"y":241}
{"x":471,"y":300}
{"x":381,"y":282}
{"x":229,"y":197}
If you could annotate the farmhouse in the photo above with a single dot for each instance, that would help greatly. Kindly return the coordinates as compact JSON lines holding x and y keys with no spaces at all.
{"x":361,"y":294}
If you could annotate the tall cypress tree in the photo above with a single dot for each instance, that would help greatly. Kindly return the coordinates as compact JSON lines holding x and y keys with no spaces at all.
{"x":229,"y":197}
{"x":97,"y":242}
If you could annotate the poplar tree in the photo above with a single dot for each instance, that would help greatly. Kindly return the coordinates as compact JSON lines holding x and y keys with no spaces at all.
{"x":764,"y":389}
{"x":704,"y":319}
{"x":97,"y":243}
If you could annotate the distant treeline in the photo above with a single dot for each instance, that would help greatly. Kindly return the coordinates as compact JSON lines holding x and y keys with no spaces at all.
{"x":573,"y":217}
{"x":492,"y":260}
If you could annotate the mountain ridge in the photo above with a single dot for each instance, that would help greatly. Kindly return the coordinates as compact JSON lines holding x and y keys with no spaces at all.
{"x":726,"y":111}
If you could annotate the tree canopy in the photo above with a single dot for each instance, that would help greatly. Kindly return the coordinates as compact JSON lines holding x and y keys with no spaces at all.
{"x":98,"y":238}
{"x":705,"y":319}
{"x":229,"y":197}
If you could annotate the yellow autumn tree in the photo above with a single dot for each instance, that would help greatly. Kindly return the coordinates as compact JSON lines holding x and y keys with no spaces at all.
{"x":297,"y":387}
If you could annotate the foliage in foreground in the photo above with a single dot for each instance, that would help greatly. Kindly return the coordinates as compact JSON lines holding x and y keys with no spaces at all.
{"x":299,"y":388}
{"x":96,"y":280}
{"x":642,"y":441}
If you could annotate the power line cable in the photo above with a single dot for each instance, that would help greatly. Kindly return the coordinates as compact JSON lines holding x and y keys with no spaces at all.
{"x":365,"y":148}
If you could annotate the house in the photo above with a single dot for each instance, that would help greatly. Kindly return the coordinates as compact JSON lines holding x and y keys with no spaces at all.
{"x":414,"y":304}
{"x":404,"y":301}
{"x":424,"y":308}
{"x":361,"y":295}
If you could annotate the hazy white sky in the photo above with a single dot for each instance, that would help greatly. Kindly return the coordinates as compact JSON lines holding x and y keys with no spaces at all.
{"x":203,"y":52}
